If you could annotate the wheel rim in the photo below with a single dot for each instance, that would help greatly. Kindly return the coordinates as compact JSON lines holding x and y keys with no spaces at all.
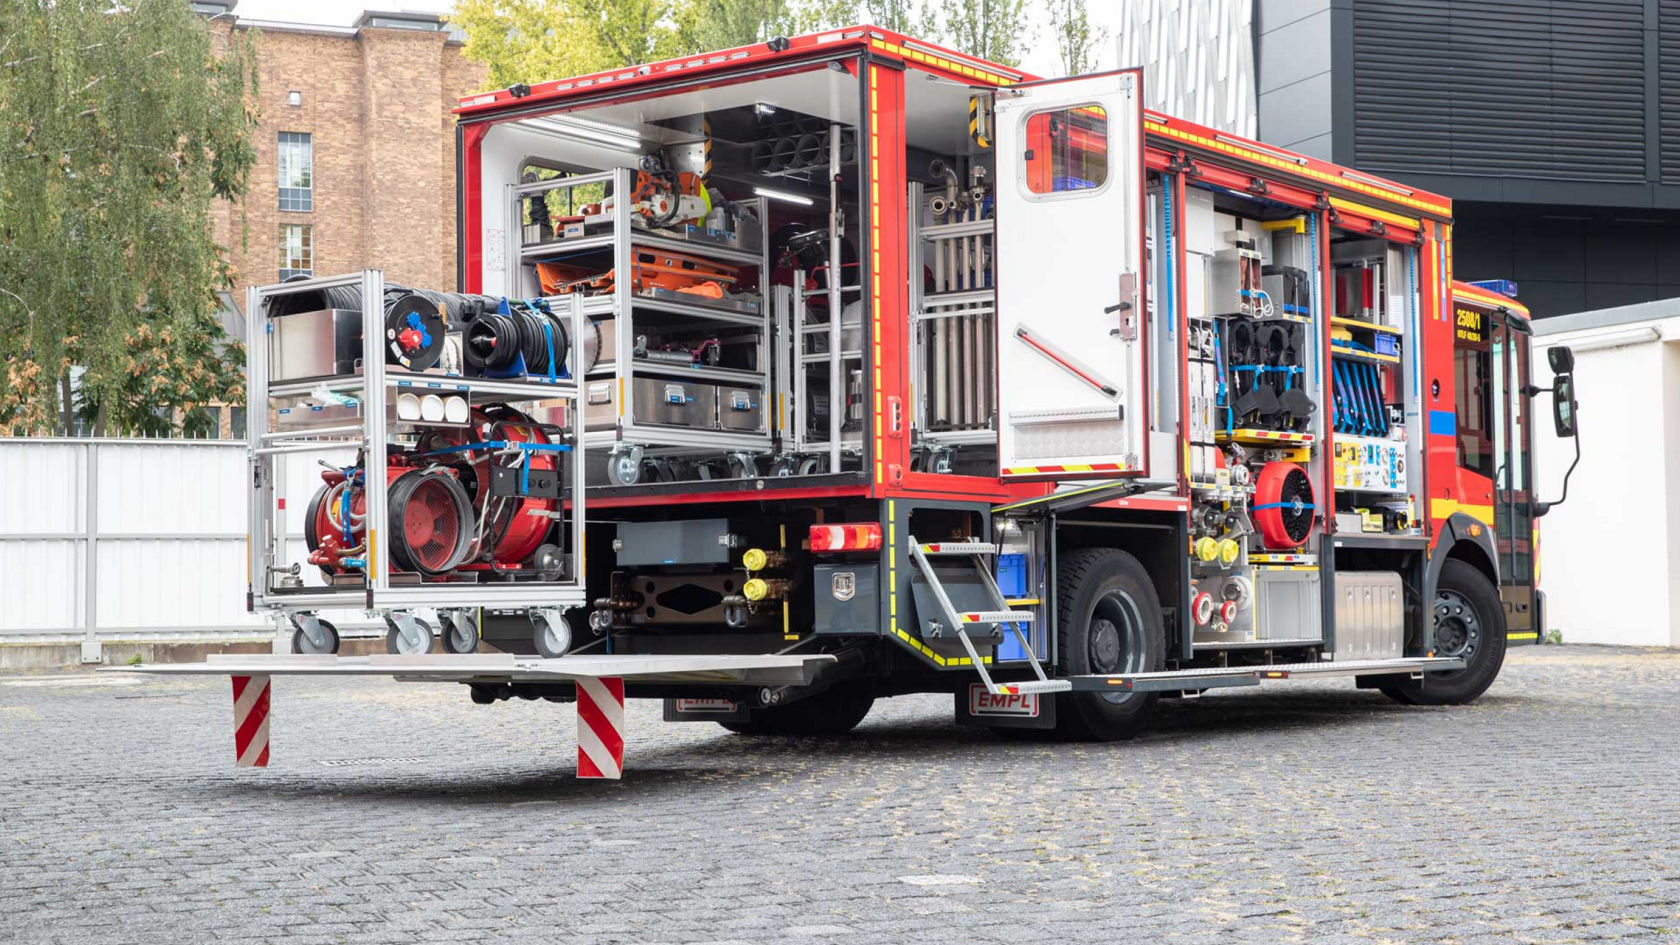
{"x":463,"y":636}
{"x":1115,"y":643}
{"x":1458,"y":626}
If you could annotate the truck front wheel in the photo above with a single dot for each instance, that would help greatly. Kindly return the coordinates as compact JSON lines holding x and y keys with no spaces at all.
{"x":1108,"y":621}
{"x":1468,"y":622}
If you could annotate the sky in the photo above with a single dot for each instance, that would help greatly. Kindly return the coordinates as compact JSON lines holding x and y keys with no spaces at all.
{"x":1040,"y":58}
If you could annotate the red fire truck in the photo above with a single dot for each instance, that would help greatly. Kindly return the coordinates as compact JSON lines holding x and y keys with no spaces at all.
{"x":898,"y":371}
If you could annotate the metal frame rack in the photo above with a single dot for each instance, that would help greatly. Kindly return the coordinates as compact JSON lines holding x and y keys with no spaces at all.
{"x":269,"y":449}
{"x":630,"y":439}
{"x":965,"y":297}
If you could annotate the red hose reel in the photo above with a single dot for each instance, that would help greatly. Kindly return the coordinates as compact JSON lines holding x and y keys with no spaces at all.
{"x":1284,"y":506}
{"x":517,"y":525}
{"x":431,"y":520}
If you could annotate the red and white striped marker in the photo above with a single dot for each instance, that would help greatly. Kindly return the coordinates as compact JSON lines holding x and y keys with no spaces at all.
{"x":250,"y":721}
{"x":600,"y":735}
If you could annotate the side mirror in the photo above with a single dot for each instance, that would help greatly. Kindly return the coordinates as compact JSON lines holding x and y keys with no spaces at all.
{"x":1561,"y":358}
{"x":1563,"y":399}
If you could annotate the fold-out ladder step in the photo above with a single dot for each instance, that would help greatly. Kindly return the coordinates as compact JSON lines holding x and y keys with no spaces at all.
{"x":959,"y":548}
{"x":996,"y":616}
{"x":1032,"y":686}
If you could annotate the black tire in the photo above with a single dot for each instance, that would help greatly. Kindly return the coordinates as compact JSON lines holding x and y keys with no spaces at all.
{"x":1108,"y":620}
{"x":1468,"y":620}
{"x":393,"y":635}
{"x":300,"y":643}
{"x":460,"y":634}
{"x":834,"y":712}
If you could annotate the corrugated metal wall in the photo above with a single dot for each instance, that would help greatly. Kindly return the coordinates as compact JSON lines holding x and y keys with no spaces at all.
{"x":1551,"y":89}
{"x":160,"y":537}
{"x":1197,"y":58}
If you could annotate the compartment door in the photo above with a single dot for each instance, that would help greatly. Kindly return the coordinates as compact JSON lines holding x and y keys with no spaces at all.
{"x":1070,"y":197}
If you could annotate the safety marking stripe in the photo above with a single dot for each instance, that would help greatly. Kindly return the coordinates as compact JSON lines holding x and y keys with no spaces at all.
{"x":1069,"y":468}
{"x":1522,"y":636}
{"x":949,"y":65}
{"x":1491,"y":300}
{"x":600,"y":727}
{"x":875,"y":269}
{"x":1160,"y":126}
{"x":1444,"y":508}
{"x":250,"y":721}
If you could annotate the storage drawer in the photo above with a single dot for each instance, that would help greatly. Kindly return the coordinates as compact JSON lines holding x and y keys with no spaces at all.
{"x":600,"y":404}
{"x":741,"y":409}
{"x":674,"y":403}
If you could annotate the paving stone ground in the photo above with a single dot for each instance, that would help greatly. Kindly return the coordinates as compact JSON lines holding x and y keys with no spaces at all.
{"x":398,"y":812}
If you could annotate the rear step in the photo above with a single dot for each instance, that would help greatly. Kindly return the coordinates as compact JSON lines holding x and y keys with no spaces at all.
{"x":1214,"y":677}
{"x":991,"y":622}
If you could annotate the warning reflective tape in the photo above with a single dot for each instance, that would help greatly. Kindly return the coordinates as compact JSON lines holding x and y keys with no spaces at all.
{"x":250,"y":721}
{"x":600,"y":713}
{"x":1071,"y":468}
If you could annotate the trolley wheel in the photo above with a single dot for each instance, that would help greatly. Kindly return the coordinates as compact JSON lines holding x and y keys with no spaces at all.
{"x":782,"y":468}
{"x":1469,"y":624}
{"x":460,"y":632}
{"x":553,"y":637}
{"x":811,"y":465}
{"x":624,"y":469}
{"x":834,"y":712}
{"x":741,"y":467}
{"x":1108,"y":620}
{"x":302,"y":644}
{"x":396,"y":642}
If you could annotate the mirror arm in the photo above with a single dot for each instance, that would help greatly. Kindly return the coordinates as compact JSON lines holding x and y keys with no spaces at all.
{"x":1534,"y":390}
{"x":1541,"y":508}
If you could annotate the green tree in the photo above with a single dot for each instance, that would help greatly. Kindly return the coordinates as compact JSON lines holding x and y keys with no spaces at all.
{"x":994,"y":30}
{"x":119,"y":126}
{"x":537,"y":40}
{"x":1076,"y":39}
{"x":903,"y":16}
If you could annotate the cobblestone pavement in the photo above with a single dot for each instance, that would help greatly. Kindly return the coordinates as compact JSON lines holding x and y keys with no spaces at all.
{"x":396,"y":812}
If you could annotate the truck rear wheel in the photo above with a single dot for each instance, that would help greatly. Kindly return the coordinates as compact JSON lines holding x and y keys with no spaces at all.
{"x":1469,"y":623}
{"x":1108,"y":620}
{"x":834,"y":712}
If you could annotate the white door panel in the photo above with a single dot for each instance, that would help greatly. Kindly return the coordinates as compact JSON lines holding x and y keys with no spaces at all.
{"x":1069,"y":253}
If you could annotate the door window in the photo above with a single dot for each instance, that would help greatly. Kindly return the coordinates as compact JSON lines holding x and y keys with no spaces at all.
{"x":1067,"y":149}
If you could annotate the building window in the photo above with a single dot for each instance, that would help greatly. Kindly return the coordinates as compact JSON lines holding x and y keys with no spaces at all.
{"x":294,"y":98}
{"x":297,"y":250}
{"x":296,"y":159}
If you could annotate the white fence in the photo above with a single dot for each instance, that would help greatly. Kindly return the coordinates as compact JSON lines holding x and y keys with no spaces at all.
{"x":107,"y":539}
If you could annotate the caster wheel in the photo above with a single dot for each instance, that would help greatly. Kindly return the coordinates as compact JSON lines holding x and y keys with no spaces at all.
{"x":810,"y":466}
{"x":327,"y":642}
{"x":408,"y":644}
{"x":624,"y":469}
{"x":782,"y":468}
{"x":552,"y":636}
{"x":549,"y":562}
{"x":742,"y":468}
{"x":460,"y":633}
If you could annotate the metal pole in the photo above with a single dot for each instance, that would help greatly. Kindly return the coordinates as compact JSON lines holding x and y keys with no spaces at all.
{"x":91,"y":651}
{"x":837,"y":406}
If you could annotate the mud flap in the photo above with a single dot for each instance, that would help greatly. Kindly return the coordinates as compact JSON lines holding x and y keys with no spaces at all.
{"x":979,"y":709}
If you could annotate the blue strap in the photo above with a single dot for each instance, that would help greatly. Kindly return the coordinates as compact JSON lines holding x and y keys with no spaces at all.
{"x":504,"y":444}
{"x":1282,"y":505}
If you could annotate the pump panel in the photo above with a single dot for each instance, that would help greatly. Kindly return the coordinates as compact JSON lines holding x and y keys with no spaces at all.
{"x":1071,"y":329}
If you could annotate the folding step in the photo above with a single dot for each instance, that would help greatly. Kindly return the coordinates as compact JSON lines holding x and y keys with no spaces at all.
{"x":959,"y":548}
{"x":1032,"y":686}
{"x":996,"y":616}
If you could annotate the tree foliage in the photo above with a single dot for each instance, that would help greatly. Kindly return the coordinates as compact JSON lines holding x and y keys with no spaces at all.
{"x":534,"y":40}
{"x":119,"y":125}
{"x":994,"y":30}
{"x":1076,"y":39}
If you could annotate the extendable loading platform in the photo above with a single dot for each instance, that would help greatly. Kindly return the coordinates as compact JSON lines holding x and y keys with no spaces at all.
{"x":599,"y":679}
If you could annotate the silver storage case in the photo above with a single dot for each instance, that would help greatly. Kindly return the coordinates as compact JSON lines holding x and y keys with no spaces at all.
{"x":315,"y":344}
{"x":1287,"y":605}
{"x":741,"y":409}
{"x":675,"y":403}
{"x":1370,"y":615}
{"x":600,"y":404}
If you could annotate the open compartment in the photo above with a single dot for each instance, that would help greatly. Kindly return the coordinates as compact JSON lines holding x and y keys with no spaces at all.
{"x":700,"y":226}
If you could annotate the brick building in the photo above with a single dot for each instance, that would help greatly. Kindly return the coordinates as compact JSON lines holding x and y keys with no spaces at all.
{"x":355,"y":150}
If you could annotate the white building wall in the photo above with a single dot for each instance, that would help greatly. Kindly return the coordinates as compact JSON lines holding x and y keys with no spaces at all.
{"x":1610,"y":555}
{"x":1197,"y":58}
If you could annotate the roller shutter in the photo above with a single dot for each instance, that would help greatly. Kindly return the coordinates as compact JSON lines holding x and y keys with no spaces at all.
{"x":1526,"y":88}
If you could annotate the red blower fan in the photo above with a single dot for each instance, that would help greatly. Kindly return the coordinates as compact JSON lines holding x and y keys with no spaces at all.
{"x":511,"y":527}
{"x":1283,"y":505}
{"x":430,"y":513}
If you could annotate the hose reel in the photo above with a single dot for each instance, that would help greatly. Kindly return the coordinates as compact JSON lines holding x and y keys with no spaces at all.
{"x":1284,"y":507}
